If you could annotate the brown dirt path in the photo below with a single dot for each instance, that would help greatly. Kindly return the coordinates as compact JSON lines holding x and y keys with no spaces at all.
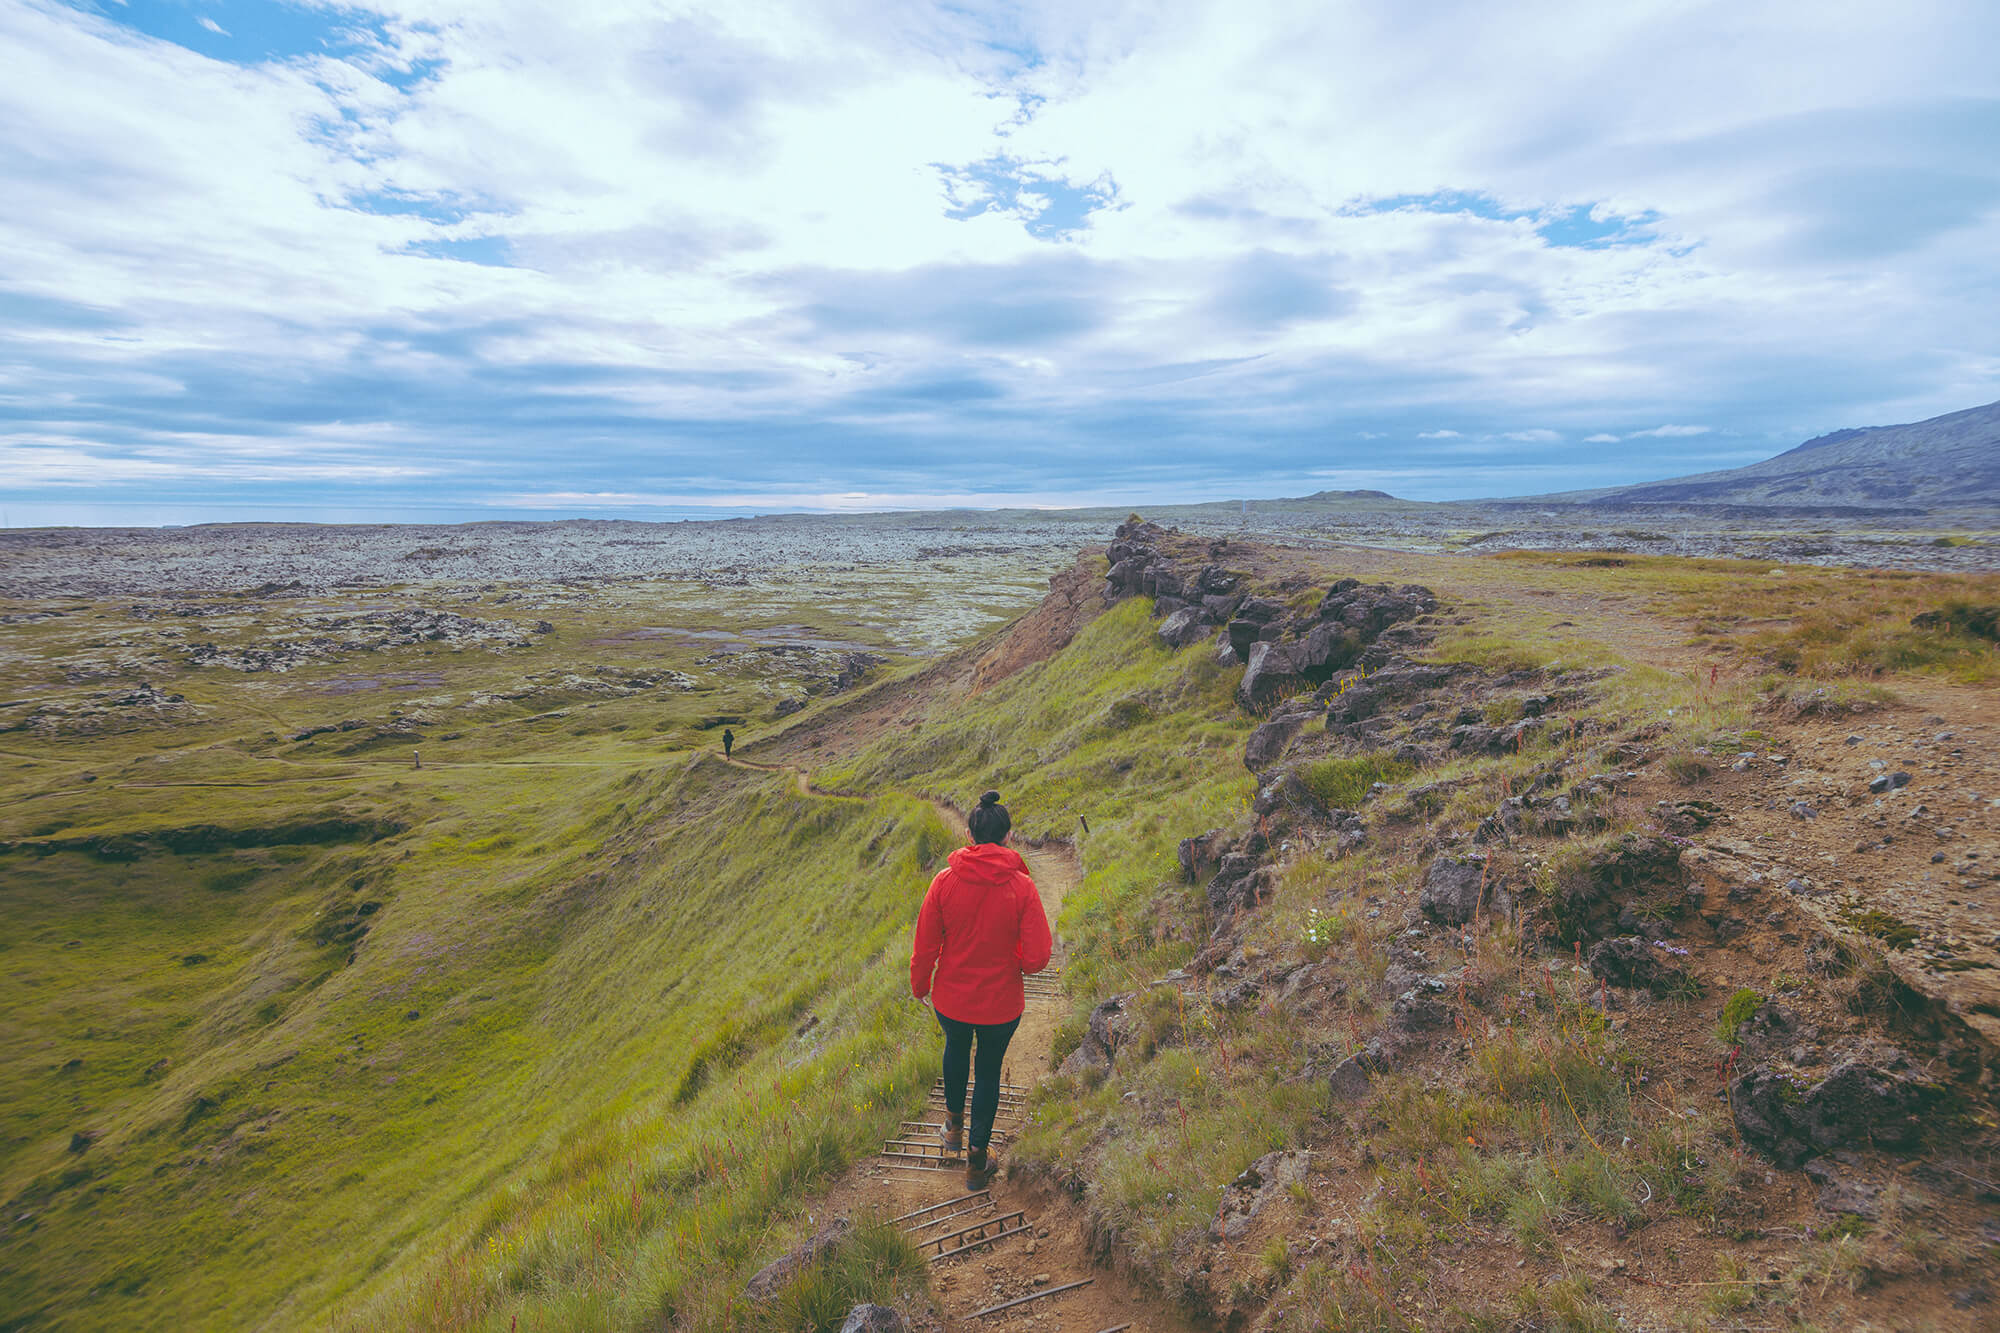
{"x":1057,"y":1251}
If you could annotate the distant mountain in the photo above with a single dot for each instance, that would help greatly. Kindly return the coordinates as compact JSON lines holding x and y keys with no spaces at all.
{"x":1952,"y":461}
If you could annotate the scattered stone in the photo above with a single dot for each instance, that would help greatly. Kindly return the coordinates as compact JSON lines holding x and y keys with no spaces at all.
{"x":873,"y":1319}
{"x":1803,"y":811}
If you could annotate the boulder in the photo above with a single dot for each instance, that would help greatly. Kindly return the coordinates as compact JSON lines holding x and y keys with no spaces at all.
{"x":1267,"y":744}
{"x":1873,"y":1096}
{"x":1454,"y":888}
{"x":1271,"y":670}
{"x":1353,"y":1077}
{"x":774,"y":1275}
{"x":1243,"y":633}
{"x":1185,"y":626}
{"x":1327,"y":649}
{"x":873,"y":1319}
{"x":1248,"y":1195}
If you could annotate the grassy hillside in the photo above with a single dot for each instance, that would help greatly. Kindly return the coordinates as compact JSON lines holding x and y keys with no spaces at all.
{"x":538,"y":994}
{"x":572,"y":1028}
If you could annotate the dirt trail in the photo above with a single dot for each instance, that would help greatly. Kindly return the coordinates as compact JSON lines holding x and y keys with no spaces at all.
{"x":1049,"y":1250}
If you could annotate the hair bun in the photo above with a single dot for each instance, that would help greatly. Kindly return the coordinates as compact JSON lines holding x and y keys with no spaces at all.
{"x":990,"y":798}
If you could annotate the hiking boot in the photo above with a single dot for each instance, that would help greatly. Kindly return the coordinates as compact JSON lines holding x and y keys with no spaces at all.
{"x":980,"y":1168}
{"x":952,"y":1133}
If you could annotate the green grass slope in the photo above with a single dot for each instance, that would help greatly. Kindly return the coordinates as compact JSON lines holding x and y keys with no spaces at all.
{"x":547,"y":1021}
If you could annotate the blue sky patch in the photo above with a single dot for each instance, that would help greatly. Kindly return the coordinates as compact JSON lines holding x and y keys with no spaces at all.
{"x":247,"y":32}
{"x":1048,"y":206}
{"x":1580,"y":226}
{"x":491,"y":251}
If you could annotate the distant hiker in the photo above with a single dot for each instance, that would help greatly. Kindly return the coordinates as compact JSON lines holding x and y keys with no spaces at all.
{"x":981,"y":929}
{"x":728,"y":741}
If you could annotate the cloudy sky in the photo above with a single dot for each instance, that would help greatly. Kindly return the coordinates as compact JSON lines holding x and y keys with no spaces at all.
{"x":447,"y":258}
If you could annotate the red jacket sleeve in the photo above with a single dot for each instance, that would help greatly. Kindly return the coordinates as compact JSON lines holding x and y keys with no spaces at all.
{"x":929,"y":941}
{"x":1032,"y":950}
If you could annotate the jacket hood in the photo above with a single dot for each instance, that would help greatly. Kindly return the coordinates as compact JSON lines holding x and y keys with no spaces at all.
{"x":987,"y":863}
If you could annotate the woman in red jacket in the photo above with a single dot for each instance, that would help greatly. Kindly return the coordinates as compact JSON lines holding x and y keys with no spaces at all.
{"x":981,"y":929}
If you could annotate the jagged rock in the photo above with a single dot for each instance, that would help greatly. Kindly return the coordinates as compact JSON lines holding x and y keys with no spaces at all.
{"x":774,"y":1275}
{"x":1159,"y":580}
{"x":1247,"y":1195}
{"x":1267,"y":744}
{"x":1215,"y":581}
{"x":1327,"y":649}
{"x":1453,"y":889}
{"x":1872,"y":1096}
{"x":1270,"y":671}
{"x":1373,"y":608}
{"x":1185,"y":626}
{"x":1238,"y":882}
{"x":1107,"y":1029}
{"x":1636,"y":963}
{"x":1201,"y":854}
{"x":1353,"y":1077}
{"x":1225,"y":651}
{"x":1242,"y":634}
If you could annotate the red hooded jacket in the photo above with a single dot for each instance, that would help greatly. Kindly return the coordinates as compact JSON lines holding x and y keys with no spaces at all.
{"x":981,"y":929}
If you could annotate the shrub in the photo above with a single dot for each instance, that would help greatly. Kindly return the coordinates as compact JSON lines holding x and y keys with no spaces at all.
{"x":1344,"y":783}
{"x":1735,"y":1012}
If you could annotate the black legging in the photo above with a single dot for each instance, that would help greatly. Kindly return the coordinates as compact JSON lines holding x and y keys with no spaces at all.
{"x":985,"y":1068}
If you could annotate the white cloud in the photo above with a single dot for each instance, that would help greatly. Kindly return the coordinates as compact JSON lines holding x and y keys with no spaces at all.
{"x":1669,"y":432}
{"x":701,"y":207}
{"x":214,"y":27}
{"x":1600,"y":438}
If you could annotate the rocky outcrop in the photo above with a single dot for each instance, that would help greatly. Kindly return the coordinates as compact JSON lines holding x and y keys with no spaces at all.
{"x":1248,"y":1195}
{"x":1108,"y":1029}
{"x":1455,"y":889}
{"x":107,"y":711}
{"x":1638,"y":964}
{"x":1267,"y":744}
{"x":1590,"y":900}
{"x":1202,"y":854}
{"x":369,"y":632}
{"x":1873,"y":1096}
